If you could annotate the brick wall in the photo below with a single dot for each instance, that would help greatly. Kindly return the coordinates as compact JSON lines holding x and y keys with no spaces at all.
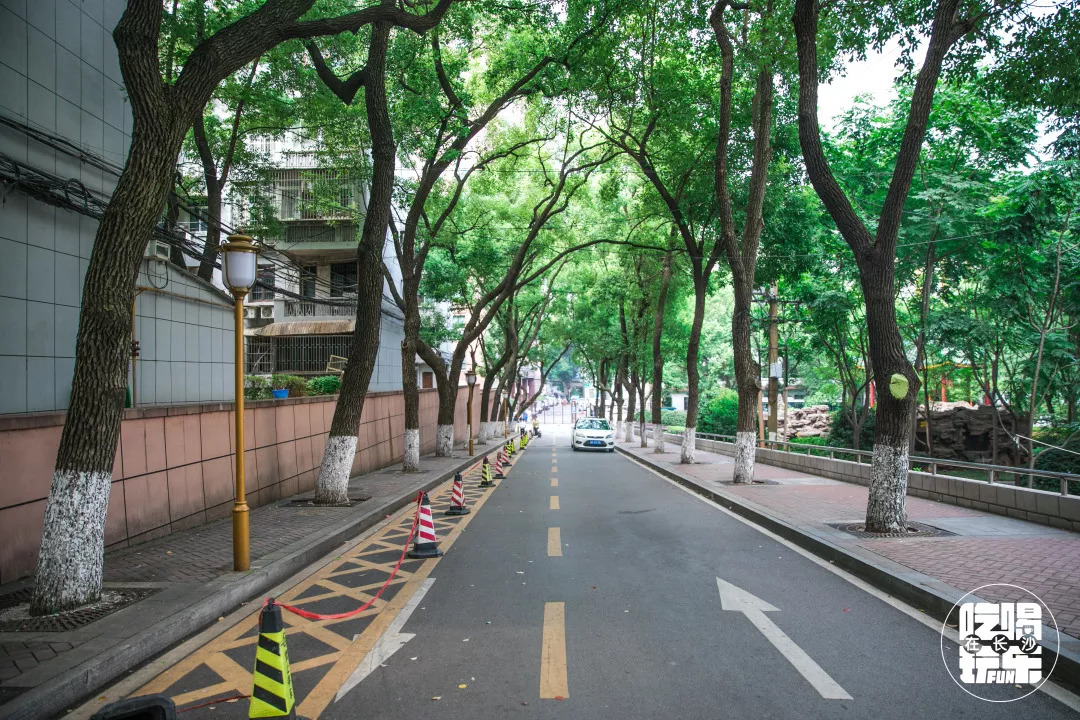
{"x":174,"y":465}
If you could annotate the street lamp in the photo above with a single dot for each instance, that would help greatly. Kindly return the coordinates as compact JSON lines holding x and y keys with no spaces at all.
{"x":238,"y":274}
{"x":470,"y":377}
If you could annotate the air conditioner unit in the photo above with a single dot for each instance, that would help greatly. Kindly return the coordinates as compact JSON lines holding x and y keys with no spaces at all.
{"x":157,"y":250}
{"x":267,"y":312}
{"x":251,"y":313}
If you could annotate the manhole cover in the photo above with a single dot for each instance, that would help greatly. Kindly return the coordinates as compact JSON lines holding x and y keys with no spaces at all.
{"x":310,"y":502}
{"x":914,"y":530}
{"x":14,"y":615}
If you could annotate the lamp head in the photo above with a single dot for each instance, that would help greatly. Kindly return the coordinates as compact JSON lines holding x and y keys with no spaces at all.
{"x":238,"y":264}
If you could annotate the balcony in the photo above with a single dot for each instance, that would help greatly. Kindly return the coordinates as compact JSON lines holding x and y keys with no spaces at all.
{"x":310,"y":309}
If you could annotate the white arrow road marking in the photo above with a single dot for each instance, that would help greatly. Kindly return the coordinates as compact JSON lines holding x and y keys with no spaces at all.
{"x":754,"y":608}
{"x":388,"y":643}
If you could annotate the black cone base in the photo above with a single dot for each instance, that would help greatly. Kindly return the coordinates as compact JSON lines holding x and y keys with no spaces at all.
{"x":456,"y":510}
{"x":425,"y":553}
{"x":483,"y":483}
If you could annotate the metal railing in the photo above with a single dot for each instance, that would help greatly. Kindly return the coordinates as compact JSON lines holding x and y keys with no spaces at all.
{"x":993,"y":473}
{"x":311,"y":308}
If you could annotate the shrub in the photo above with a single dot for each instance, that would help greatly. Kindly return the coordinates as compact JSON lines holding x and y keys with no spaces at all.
{"x":841,"y":435}
{"x":720,"y":413}
{"x":256,"y":387}
{"x":324,"y":385}
{"x":815,"y":441}
{"x":296,"y":385}
{"x":1058,"y":461}
{"x":673,"y":418}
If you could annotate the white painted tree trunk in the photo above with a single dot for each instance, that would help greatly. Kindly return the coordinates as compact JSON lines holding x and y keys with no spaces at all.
{"x":745,"y":452}
{"x":481,"y":435}
{"x":444,"y":441}
{"x":689,"y":445}
{"x":644,"y":435}
{"x":332,"y":487}
{"x":411,"y":462}
{"x":658,"y":446}
{"x":72,"y":542}
{"x":628,"y":430}
{"x":886,"y":508}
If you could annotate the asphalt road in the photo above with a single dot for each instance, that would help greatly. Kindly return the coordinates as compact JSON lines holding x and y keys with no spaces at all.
{"x":644,"y":631}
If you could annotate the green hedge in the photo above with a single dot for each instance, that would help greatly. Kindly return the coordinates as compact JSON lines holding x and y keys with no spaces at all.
{"x":673,"y":418}
{"x":720,"y":414}
{"x":256,"y":388}
{"x":324,"y":385}
{"x":815,"y":441}
{"x":296,"y":385}
{"x":1059,"y":461}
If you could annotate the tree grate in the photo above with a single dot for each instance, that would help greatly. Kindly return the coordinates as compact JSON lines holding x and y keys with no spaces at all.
{"x":914,"y":530}
{"x":14,"y":606}
{"x":354,"y":500}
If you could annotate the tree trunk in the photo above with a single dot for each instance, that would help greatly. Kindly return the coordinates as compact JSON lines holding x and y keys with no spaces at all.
{"x":410,"y":388}
{"x":658,"y":357}
{"x":686,"y":453}
{"x":70,"y":558}
{"x":631,"y":398}
{"x":485,"y":412}
{"x":747,"y":380}
{"x":213,"y":225}
{"x":332,"y":487}
{"x":641,"y":415}
{"x":448,"y":391}
{"x":886,"y":509}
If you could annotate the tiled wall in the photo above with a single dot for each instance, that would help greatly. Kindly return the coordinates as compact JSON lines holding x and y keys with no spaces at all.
{"x":174,"y":465}
{"x":58,"y":73}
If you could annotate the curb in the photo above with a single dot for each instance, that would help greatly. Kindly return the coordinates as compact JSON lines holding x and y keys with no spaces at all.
{"x":74,"y":685}
{"x":927,"y":594}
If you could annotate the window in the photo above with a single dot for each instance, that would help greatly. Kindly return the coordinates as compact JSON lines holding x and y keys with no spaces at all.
{"x":258,"y":292}
{"x":195,"y":220}
{"x":593,"y":425}
{"x":427,"y":380}
{"x":307,"y":281}
{"x":342,"y":279}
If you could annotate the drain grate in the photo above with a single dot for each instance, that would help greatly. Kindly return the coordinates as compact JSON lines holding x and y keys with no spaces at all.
{"x":14,"y":606}
{"x":914,"y":530}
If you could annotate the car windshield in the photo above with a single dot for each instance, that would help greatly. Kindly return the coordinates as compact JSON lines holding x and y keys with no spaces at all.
{"x":593,"y":425}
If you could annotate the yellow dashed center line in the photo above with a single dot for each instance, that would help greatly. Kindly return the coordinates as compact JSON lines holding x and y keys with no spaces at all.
{"x":554,"y":542}
{"x":554,"y":469}
{"x":553,"y":683}
{"x":554,"y":505}
{"x":554,"y":482}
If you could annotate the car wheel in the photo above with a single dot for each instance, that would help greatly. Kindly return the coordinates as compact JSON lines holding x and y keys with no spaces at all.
{"x":611,"y":449}
{"x":574,"y":448}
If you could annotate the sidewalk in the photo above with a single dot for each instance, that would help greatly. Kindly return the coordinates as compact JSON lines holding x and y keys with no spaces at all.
{"x":185,"y":582}
{"x":979,"y":547}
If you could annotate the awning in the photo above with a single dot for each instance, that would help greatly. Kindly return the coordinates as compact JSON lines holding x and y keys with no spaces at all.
{"x":343,"y":326}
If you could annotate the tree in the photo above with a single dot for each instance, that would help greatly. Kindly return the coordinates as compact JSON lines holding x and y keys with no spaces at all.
{"x":72,"y":544}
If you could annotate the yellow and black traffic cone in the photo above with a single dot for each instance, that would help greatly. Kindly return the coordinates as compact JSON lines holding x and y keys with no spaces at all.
{"x":457,"y":498}
{"x":272,"y":696}
{"x":509,"y":449}
{"x":485,"y":474}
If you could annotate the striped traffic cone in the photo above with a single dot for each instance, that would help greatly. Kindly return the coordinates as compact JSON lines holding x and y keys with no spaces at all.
{"x":509,"y":449}
{"x":499,"y":464}
{"x":457,"y":498}
{"x":485,"y":474}
{"x":426,"y":545}
{"x":272,"y":696}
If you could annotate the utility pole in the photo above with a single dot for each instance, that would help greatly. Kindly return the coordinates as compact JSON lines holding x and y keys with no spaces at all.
{"x":774,"y":367}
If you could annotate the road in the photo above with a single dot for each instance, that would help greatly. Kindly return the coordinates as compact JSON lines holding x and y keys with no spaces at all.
{"x":586,"y":585}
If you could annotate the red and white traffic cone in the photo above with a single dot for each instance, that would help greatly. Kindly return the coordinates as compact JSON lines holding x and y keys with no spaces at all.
{"x":499,"y":464}
{"x":457,"y":498}
{"x":425,"y":545}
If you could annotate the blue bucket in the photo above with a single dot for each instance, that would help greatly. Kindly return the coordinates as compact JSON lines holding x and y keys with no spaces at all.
{"x":281,"y":394}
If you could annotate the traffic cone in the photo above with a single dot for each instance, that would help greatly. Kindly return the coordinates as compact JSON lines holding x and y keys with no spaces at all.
{"x":485,"y":474}
{"x":524,"y":440}
{"x":272,"y":696}
{"x":509,"y":449}
{"x":457,"y":499}
{"x":499,"y":464}
{"x":426,"y":545}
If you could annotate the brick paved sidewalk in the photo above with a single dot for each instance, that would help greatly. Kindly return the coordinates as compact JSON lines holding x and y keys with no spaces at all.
{"x":985,"y":548}
{"x":187,"y":567}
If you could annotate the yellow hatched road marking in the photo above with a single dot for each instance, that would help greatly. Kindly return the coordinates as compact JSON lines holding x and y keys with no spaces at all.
{"x":553,"y":682}
{"x":554,"y":542}
{"x":554,"y":505}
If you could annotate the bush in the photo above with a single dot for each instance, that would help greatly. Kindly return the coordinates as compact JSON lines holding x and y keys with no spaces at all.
{"x":840,"y":434}
{"x":719,"y":415}
{"x":296,"y":385}
{"x":256,"y":387}
{"x":815,"y":441}
{"x":1058,"y":461}
{"x":324,"y":385}
{"x":673,"y":418}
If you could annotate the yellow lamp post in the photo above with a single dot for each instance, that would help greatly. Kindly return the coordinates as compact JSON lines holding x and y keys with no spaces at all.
{"x":238,"y":274}
{"x":470,"y":377}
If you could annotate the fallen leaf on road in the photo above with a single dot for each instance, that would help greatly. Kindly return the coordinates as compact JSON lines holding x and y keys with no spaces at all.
{"x":437,"y":697}
{"x":220,"y":619}
{"x":412,"y":658}
{"x":847,"y":609}
{"x":462,"y":686}
{"x":520,"y":572}
{"x":168,"y":552}
{"x":558,"y":697}
{"x":465,"y":640}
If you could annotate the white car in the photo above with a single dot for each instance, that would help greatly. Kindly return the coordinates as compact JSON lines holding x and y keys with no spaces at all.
{"x":592,"y":434}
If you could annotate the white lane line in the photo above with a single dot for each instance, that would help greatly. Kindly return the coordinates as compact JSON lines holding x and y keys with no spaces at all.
{"x":388,"y":643}
{"x":736,"y":599}
{"x":1051,"y":688}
